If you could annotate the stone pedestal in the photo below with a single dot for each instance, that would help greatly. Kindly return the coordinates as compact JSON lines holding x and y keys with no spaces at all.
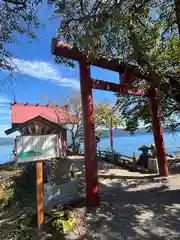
{"x":153,"y":165}
{"x":55,"y":195}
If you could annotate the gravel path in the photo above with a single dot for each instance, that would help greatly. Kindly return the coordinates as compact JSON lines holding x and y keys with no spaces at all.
{"x":134,"y":206}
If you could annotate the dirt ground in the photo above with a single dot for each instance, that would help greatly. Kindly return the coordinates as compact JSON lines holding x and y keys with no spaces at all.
{"x":134,"y":206}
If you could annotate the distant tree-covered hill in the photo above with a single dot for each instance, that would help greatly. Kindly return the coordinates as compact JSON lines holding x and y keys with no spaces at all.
{"x":120,"y":132}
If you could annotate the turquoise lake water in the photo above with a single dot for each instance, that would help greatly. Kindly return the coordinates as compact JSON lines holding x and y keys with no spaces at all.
{"x":5,"y":153}
{"x":124,"y":144}
{"x":129,"y":144}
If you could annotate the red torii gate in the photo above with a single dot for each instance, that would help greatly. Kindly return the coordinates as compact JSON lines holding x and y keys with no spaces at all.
{"x":59,"y":48}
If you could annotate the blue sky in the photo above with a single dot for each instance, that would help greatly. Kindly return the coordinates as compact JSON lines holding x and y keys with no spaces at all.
{"x":39,"y":75}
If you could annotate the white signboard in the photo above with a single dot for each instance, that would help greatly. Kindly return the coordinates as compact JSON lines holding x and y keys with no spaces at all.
{"x":35,"y":148}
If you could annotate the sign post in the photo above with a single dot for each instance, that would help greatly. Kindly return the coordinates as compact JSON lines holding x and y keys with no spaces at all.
{"x":36,"y":149}
{"x":39,"y":192}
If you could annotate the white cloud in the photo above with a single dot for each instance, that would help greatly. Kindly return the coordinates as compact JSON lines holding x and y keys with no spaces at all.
{"x":44,"y":71}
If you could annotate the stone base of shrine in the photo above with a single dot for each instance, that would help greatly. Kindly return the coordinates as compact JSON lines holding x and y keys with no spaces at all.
{"x":55,"y":195}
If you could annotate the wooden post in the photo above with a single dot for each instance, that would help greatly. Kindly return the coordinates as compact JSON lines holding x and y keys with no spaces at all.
{"x":39,"y":191}
{"x":158,"y":134}
{"x":91,"y":167}
{"x":111,"y":138}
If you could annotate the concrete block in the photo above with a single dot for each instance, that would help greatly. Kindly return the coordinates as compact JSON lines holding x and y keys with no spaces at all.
{"x":153,"y":165}
{"x":55,"y":195}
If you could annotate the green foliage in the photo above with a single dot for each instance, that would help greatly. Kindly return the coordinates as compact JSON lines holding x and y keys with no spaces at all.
{"x":104,"y":28}
{"x":106,"y":115}
{"x":144,"y":33}
{"x":18,"y":213}
{"x":9,"y":167}
{"x":62,"y":220}
{"x":17,"y":17}
{"x":6,"y":195}
{"x":64,"y":225}
{"x":62,"y":60}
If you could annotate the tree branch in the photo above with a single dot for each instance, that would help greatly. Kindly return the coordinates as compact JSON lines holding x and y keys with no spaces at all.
{"x":19,"y":4}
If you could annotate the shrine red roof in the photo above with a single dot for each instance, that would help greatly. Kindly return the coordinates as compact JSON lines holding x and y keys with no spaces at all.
{"x":21,"y":113}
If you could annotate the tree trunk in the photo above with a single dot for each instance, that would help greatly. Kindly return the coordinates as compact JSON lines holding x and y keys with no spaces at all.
{"x":74,"y":142}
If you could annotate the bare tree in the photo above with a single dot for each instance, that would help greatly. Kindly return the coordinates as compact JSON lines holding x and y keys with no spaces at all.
{"x":73,"y":115}
{"x":104,"y":112}
{"x":74,"y":106}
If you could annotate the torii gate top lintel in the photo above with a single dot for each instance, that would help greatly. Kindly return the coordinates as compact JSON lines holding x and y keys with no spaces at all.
{"x":60,"y":48}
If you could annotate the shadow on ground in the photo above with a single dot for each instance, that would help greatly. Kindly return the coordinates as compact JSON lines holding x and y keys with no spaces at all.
{"x":132,"y":208}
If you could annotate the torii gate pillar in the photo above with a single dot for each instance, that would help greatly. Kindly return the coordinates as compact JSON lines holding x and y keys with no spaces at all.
{"x":91,"y":168}
{"x":158,"y":134}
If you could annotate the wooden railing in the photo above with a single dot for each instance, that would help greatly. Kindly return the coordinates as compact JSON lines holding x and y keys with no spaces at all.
{"x":110,"y":156}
